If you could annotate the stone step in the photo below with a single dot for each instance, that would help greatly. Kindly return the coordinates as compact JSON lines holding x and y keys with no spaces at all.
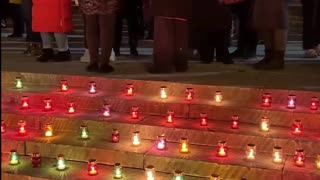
{"x":200,"y":161}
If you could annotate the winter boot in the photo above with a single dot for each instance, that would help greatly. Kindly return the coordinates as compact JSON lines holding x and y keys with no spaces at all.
{"x":47,"y":54}
{"x":63,"y":56}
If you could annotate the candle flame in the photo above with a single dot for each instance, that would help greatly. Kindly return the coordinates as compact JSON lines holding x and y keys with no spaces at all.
{"x":22,"y":129}
{"x":25,"y":104}
{"x":264,"y":126}
{"x":64,"y":87}
{"x":92,"y":89}
{"x":136,"y":140}
{"x":48,"y":132}
{"x":106,"y":113}
{"x":163,"y":94}
{"x":129,"y":92}
{"x":48,"y":106}
{"x":277,"y":157}
{"x":169,"y":118}
{"x":161,"y":144}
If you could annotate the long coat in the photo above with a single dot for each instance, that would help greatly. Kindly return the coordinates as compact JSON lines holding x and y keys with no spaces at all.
{"x":99,"y":7}
{"x":270,"y":14}
{"x":51,"y":16}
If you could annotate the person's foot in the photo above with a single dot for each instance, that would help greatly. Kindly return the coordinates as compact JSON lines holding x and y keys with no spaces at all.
{"x":47,"y":55}
{"x":85,"y":58}
{"x":106,"y":68}
{"x":116,"y":51}
{"x":317,"y":49}
{"x":134,"y":52}
{"x":28,"y":51}
{"x":276,"y":63}
{"x":15,"y":36}
{"x":63,"y":56}
{"x":36,"y":50}
{"x":310,"y":53}
{"x":93,"y":67}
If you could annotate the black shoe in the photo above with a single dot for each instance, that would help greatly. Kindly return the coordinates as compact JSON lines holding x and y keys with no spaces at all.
{"x":15,"y":36}
{"x":134,"y":52}
{"x":63,"y":56}
{"x":106,"y":68}
{"x":237,"y":54}
{"x":94,"y":67}
{"x":116,"y":52}
{"x":47,"y":54}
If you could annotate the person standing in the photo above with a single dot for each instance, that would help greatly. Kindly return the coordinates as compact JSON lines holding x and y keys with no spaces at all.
{"x":53,"y":18}
{"x":100,"y":24}
{"x":270,"y":19}
{"x":311,"y":27}
{"x":16,"y":14}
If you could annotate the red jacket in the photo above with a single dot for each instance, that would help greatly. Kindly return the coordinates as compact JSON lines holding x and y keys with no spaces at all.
{"x":52,"y":16}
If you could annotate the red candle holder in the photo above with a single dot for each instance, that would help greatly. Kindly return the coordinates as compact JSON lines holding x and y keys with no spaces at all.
{"x":203,"y":119}
{"x":135,"y":112}
{"x":189,"y":94}
{"x":235,"y":122}
{"x":71,"y":108}
{"x":36,"y":159}
{"x":92,"y":167}
{"x":299,"y":158}
{"x":129,"y":90}
{"x":170,"y":116}
{"x":22,"y":128}
{"x":266,"y":100}
{"x":314,"y":104}
{"x":3,"y":127}
{"x":161,"y":142}
{"x":297,"y":127}
{"x":47,"y":104}
{"x":64,"y":85}
{"x":222,"y":149}
{"x":291,"y":102}
{"x":25,"y":102}
{"x":92,"y":87}
{"x":115,"y":136}
{"x":106,"y":110}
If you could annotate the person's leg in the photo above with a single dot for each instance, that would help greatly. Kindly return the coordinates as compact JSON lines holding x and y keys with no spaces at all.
{"x":133,"y":30}
{"x":205,"y":48}
{"x":222,"y":45}
{"x":181,"y":45}
{"x":85,"y":58}
{"x":118,"y":34}
{"x":267,"y":38}
{"x":47,"y":51}
{"x":317,"y":28}
{"x":63,"y":47}
{"x":18,"y":23}
{"x":92,"y":35}
{"x":106,"y":23}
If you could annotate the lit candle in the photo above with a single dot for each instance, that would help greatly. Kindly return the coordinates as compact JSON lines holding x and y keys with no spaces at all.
{"x":291,"y":102}
{"x":19,"y":83}
{"x":106,"y":110}
{"x":318,"y":161}
{"x":14,"y":157}
{"x":178,"y":175}
{"x":129,"y":90}
{"x":115,"y":136}
{"x":264,"y":125}
{"x":203,"y":119}
{"x":299,"y":158}
{"x":136,"y":138}
{"x":189,"y":94}
{"x":61,"y":163}
{"x":163,"y":92}
{"x":36,"y":159}
{"x":170,"y":116}
{"x":47,"y":104}
{"x":63,"y":85}
{"x":266,"y":100}
{"x":184,"y":145}
{"x":24,"y":102}
{"x":117,"y":171}
{"x":215,"y":177}
{"x":134,"y":112}
{"x":150,"y":172}
{"x":71,"y":108}
{"x":22,"y":128}
{"x":251,"y":151}
{"x":48,"y":130}
{"x":277,"y":154}
{"x":92,"y":87}
{"x":235,"y":122}
{"x":297,"y":127}
{"x":92,"y":167}
{"x":3,"y":126}
{"x":314,"y":103}
{"x":218,"y":97}
{"x":84,"y":132}
{"x":222,"y":149}
{"x":161,"y":142}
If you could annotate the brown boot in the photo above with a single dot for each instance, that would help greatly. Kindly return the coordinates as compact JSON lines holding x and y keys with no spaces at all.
{"x":267,"y":58}
{"x":28,"y":51}
{"x":276,"y":63}
{"x":36,"y":50}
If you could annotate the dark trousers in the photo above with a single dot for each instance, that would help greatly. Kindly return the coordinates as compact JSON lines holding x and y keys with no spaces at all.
{"x":27,"y":14}
{"x":4,"y":4}
{"x":99,"y":33}
{"x":133,"y":30}
{"x":311,"y":23}
{"x":170,"y":44}
{"x":84,"y":32}
{"x":17,"y":17}
{"x":211,"y":41}
{"x":247,"y":36}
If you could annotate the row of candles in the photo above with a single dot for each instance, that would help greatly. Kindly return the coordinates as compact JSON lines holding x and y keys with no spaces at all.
{"x":189,"y":94}
{"x":161,"y":143}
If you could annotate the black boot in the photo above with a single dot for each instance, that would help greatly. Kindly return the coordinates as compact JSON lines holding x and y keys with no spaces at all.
{"x":47,"y":54}
{"x":63,"y":56}
{"x":106,"y":68}
{"x":267,"y":58}
{"x":277,"y":62}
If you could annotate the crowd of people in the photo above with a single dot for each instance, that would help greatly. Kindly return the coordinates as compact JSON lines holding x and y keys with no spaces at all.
{"x":209,"y":28}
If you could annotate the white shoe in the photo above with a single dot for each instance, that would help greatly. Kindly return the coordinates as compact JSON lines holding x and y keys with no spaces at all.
{"x":112,"y":56}
{"x":85,"y":58}
{"x":310,"y":53}
{"x":317,"y":49}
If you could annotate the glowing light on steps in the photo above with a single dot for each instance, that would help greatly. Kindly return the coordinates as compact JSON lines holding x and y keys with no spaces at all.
{"x":71,"y":108}
{"x":36,"y":159}
{"x":106,"y":110}
{"x":215,"y":177}
{"x":266,"y":100}
{"x":22,"y":128}
{"x":251,"y":152}
{"x":48,"y":129}
{"x":115,"y":137}
{"x":314,"y":104}
{"x":84,"y":132}
{"x":64,"y":86}
{"x":92,"y":167}
{"x":24,"y":104}
{"x":117,"y":171}
{"x":129,"y":90}
{"x":170,"y":116}
{"x":161,"y":142}
{"x":136,"y":138}
{"x":18,"y":83}
{"x":135,"y":112}
{"x":203,"y":119}
{"x":299,"y":158}
{"x":291,"y":102}
{"x":189,"y":94}
{"x":47,"y":104}
{"x":297,"y":127}
{"x":92,"y":87}
{"x":184,"y":145}
{"x":277,"y":154}
{"x":318,"y":161}
{"x":222,"y":149}
{"x":218,"y":97}
{"x":163,"y":92}
{"x":3,"y":127}
{"x":178,"y":175}
{"x":235,"y":122}
{"x":14,"y":157}
{"x":150,"y":172}
{"x":61,"y":163}
{"x":264,"y":124}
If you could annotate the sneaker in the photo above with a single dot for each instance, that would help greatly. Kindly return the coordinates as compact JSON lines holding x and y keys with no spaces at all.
{"x":112,"y":56}
{"x":86,"y":57}
{"x":310,"y":53}
{"x":106,"y":68}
